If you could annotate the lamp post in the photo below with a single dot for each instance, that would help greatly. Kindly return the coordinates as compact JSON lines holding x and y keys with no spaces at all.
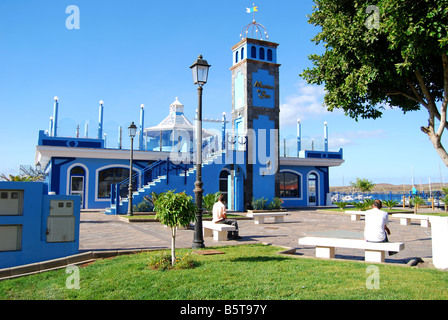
{"x":132,"y":132}
{"x":200,"y":74}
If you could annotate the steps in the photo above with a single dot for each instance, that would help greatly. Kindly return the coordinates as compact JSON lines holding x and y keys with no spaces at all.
{"x":163,"y":183}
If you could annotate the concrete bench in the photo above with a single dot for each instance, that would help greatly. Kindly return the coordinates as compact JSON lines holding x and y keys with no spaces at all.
{"x":260,"y":216}
{"x":405,"y":219}
{"x":356,"y":215}
{"x":374,"y":252}
{"x":217,"y":230}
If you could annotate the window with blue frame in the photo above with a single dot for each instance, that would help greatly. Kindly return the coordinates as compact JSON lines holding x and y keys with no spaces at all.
{"x":289,"y":185}
{"x":110,"y":176}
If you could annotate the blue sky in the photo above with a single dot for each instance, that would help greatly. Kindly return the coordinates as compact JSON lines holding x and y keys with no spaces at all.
{"x":134,"y":52}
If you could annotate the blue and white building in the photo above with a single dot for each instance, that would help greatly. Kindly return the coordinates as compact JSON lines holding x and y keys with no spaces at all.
{"x":243,"y":160}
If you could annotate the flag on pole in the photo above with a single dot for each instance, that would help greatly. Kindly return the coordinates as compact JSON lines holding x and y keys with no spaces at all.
{"x":252,"y":10}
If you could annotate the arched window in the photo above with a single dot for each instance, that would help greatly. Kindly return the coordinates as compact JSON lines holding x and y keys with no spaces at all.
{"x":236,"y":57}
{"x":110,"y":176}
{"x":289,"y":185}
{"x":253,"y":52}
{"x":242,"y":53}
{"x":261,"y":54}
{"x":269,"y":54}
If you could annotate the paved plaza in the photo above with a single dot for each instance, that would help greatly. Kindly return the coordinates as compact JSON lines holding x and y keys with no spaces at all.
{"x":104,"y":232}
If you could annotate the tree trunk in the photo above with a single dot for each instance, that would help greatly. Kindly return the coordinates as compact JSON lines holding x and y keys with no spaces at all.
{"x":173,"y":246}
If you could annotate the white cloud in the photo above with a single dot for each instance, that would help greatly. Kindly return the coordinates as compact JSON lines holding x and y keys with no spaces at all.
{"x":350,"y":138}
{"x":307,"y":103}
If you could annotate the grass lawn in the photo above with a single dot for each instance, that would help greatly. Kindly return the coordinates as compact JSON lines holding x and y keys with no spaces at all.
{"x":246,"y":272}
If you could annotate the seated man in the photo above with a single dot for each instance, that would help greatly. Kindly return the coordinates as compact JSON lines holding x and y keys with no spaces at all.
{"x":376,"y":220}
{"x":220,"y":216}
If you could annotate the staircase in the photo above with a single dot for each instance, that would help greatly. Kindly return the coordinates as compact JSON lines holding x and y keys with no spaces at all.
{"x":169,"y":176}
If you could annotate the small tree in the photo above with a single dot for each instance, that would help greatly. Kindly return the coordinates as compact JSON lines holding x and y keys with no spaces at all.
{"x":390,"y":203}
{"x":341,"y":204}
{"x":174,"y":210}
{"x":363,"y":185}
{"x":417,"y":201}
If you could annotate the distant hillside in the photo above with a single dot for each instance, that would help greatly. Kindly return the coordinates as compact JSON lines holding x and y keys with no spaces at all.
{"x":386,"y":187}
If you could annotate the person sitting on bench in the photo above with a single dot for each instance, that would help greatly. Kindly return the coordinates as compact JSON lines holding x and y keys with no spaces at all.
{"x":376,"y":220}
{"x":220,"y":216}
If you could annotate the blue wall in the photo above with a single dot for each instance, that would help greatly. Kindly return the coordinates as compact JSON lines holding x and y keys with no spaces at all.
{"x":36,"y":210}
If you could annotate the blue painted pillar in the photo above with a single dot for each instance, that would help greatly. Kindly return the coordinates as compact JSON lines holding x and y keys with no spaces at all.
{"x":50,"y":129}
{"x":142,"y":127}
{"x":55,"y":117}
{"x":299,"y":137}
{"x":326,"y":136}
{"x":86,"y":130}
{"x":223,"y":131}
{"x":100,"y":121}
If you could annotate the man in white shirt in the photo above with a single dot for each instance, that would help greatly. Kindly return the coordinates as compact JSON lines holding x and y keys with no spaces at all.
{"x":220,"y":216}
{"x":376,"y":220}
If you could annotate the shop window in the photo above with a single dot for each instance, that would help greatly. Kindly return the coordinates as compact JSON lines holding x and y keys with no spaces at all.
{"x":110,"y":176}
{"x":289,"y":185}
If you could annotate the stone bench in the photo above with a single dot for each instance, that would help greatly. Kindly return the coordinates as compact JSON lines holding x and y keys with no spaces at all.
{"x":405,"y":219}
{"x":217,"y":230}
{"x":374,"y":252}
{"x":260,"y":216}
{"x":356,"y":215}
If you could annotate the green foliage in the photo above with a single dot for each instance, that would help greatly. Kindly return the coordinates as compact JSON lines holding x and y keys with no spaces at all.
{"x":275,"y":204}
{"x":416,"y":202}
{"x":362,"y":185}
{"x":11,"y":177}
{"x":259,"y":204}
{"x":174,"y":210}
{"x":144,"y":206}
{"x":263,"y":204}
{"x":362,"y":206}
{"x":341,"y":205}
{"x":402,"y":63}
{"x":390,"y":203}
{"x":209,"y":200}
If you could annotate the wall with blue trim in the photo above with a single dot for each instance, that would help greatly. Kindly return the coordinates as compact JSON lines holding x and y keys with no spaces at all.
{"x":34,"y":246}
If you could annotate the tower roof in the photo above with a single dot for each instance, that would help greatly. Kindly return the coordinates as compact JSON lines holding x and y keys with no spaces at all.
{"x":254,"y":30}
{"x":176,"y":120}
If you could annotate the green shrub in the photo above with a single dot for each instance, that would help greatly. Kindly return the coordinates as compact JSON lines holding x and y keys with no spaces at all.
{"x":275,"y":204}
{"x":259,"y":204}
{"x":341,"y":205}
{"x":209,"y":200}
{"x":390,"y":203}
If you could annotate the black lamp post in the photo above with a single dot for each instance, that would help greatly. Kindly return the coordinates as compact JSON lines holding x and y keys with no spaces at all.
{"x":132,"y":132}
{"x":200,"y":74}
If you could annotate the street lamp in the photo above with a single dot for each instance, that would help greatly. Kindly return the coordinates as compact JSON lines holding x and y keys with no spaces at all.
{"x":200,"y":74}
{"x":132,"y":132}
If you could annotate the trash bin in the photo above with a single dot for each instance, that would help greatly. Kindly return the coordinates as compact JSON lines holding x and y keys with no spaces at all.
{"x":439,"y":230}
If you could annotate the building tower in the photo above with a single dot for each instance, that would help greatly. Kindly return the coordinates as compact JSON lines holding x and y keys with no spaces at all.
{"x":256,"y":109}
